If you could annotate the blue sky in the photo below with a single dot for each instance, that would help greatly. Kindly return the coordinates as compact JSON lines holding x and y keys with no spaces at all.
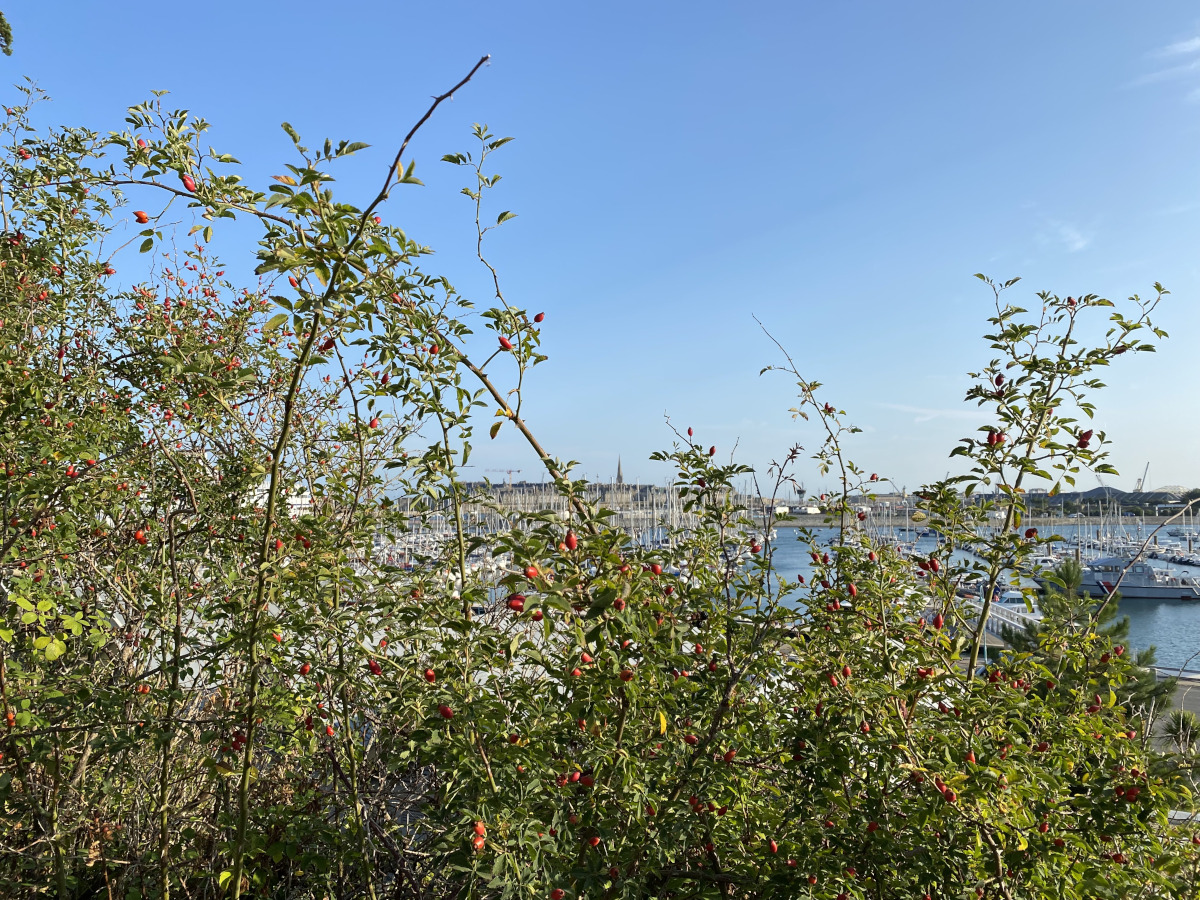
{"x":838,"y":170}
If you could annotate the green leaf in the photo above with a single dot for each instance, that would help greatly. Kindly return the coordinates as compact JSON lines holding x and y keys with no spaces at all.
{"x":505,"y":216}
{"x":274,"y":322}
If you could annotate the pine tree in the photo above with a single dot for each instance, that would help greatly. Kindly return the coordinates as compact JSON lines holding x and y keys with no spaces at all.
{"x":1063,"y":602}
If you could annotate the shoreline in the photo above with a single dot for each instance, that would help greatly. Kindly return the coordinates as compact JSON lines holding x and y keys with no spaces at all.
{"x":1149,"y":523}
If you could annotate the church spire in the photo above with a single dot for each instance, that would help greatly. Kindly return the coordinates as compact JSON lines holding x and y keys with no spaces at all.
{"x":620,"y":477}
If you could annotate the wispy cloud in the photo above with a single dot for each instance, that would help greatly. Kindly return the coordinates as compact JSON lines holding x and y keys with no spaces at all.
{"x":1179,"y":70}
{"x":1072,"y":237}
{"x":922,"y":414}
{"x":1063,"y":233}
{"x":1179,"y":48}
{"x":1167,"y":74}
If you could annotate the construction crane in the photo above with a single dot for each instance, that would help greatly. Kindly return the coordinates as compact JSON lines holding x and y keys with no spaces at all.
{"x":508,"y":472}
{"x":1141,"y":482}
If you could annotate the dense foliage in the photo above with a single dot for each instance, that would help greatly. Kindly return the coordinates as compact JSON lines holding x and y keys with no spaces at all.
{"x":214,"y":685}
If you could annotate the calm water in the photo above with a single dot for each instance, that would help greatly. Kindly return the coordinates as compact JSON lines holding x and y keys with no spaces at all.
{"x":1171,"y":626}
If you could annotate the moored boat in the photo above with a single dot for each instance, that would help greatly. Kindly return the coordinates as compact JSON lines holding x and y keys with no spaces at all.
{"x":1141,"y":580}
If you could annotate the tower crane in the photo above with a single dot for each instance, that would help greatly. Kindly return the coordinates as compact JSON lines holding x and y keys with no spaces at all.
{"x":1141,"y":482}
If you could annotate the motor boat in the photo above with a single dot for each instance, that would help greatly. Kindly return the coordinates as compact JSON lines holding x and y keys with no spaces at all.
{"x":1141,"y":580}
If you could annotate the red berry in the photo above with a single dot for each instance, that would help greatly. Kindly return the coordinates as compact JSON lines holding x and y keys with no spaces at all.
{"x":539,"y":317}
{"x":305,"y":669}
{"x":505,"y":343}
{"x":141,"y":217}
{"x":430,"y":676}
{"x":447,"y":712}
{"x":572,"y":542}
{"x":188,"y":182}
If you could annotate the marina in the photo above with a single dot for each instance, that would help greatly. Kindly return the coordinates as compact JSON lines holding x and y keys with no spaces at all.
{"x":1171,"y":625}
{"x":1160,"y":592}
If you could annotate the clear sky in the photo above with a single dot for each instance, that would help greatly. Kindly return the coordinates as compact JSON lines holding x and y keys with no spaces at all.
{"x":839,"y":170}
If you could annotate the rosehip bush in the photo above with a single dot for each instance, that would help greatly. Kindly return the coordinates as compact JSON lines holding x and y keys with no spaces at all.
{"x":218,"y":680}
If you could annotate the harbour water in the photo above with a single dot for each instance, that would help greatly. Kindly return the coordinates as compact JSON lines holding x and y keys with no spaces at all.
{"x":1171,"y":626}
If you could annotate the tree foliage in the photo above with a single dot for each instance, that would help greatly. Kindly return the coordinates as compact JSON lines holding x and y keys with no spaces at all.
{"x":214,"y":684}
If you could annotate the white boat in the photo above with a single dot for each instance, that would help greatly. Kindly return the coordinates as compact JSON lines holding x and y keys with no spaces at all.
{"x":1142,"y":581}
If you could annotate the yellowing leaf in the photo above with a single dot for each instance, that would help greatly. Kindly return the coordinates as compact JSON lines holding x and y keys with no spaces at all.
{"x":662,"y":722}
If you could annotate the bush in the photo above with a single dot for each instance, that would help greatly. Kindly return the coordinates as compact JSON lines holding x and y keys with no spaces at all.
{"x":215,"y":684}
